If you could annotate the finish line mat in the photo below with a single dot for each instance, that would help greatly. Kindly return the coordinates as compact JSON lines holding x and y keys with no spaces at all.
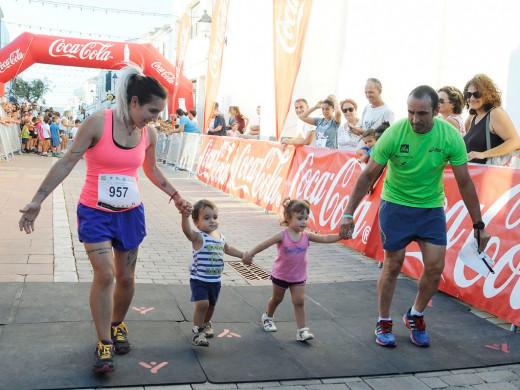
{"x":47,"y":337}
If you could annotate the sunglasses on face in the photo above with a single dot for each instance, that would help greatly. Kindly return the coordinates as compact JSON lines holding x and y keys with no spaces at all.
{"x":349,"y":109}
{"x":476,"y":95}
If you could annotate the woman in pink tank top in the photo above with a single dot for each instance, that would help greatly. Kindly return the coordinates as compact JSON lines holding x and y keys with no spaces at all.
{"x":290,"y":266}
{"x":110,"y":213}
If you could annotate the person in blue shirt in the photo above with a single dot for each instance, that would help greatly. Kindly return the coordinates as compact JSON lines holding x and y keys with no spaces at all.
{"x":185,"y":124}
{"x":55,"y":137}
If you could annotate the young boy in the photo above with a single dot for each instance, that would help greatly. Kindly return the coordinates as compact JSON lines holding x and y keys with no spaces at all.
{"x":369,"y":139}
{"x":55,"y":137}
{"x":208,"y":248}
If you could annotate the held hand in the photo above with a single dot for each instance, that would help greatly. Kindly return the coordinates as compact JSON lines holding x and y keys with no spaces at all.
{"x":484,"y":239}
{"x":476,"y":155}
{"x":346,"y":228}
{"x":247,"y":258}
{"x":30,"y":212}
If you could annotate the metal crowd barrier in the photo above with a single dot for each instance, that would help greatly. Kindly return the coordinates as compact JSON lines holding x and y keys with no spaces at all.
{"x":182,"y":151}
{"x":9,"y":141}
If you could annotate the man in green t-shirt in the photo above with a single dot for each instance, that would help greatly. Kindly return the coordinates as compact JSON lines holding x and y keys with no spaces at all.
{"x":416,"y":150}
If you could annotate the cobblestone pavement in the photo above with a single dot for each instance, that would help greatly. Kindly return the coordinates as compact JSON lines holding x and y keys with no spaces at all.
{"x":54,"y":253}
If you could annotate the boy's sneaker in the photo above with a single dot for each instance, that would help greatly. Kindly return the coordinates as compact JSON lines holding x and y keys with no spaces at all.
{"x":268,"y":323}
{"x":199,"y":339}
{"x":417,"y":325}
{"x":119,"y":335}
{"x":103,"y":361}
{"x":384,"y":335}
{"x":208,"y":330}
{"x":304,"y":334}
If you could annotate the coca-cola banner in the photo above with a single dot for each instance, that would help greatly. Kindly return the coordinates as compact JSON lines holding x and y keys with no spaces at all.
{"x":216,"y":48}
{"x":254,"y":170}
{"x":290,"y":19}
{"x":28,"y":49}
{"x":182,"y":47}
{"x":259,"y":171}
{"x":217,"y":155}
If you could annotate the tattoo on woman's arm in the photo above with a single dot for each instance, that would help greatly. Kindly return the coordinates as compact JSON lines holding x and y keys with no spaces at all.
{"x":164,"y":184}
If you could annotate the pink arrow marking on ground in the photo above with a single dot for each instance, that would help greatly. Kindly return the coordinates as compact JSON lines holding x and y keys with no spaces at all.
{"x":430,"y":304}
{"x":153,"y":366}
{"x":227,"y":333}
{"x":498,"y":347}
{"x":143,"y":310}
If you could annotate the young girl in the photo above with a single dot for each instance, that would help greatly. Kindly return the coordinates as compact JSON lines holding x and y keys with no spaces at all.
{"x":208,"y":248}
{"x":290,"y":266}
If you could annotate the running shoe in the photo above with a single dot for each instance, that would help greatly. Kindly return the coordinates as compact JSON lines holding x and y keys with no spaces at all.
{"x":120,"y":339}
{"x":384,"y":335}
{"x":208,"y":330}
{"x":199,"y":339}
{"x":303,"y":334}
{"x":103,"y":361}
{"x":268,"y":323}
{"x":417,"y":326}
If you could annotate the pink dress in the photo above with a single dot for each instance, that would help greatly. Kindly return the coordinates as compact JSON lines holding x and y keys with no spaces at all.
{"x":291,"y":263}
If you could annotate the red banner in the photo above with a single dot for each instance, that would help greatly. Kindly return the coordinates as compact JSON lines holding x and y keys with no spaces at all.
{"x":182,"y":46}
{"x":290,"y":19}
{"x":254,"y":170}
{"x":259,"y":171}
{"x":28,"y":49}
{"x":216,"y":48}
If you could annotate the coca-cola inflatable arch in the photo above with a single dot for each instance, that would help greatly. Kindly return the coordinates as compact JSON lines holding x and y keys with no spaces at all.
{"x":29,"y":49}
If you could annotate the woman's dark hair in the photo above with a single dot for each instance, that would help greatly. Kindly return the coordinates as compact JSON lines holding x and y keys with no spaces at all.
{"x":133,"y":82}
{"x":329,"y":102}
{"x":291,"y":206}
{"x":455,"y":97}
{"x":200,"y":205}
{"x":179,"y":111}
{"x":193,"y":112}
{"x":489,"y":92}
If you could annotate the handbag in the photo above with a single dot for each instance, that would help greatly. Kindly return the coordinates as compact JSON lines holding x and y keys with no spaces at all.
{"x":511,"y":160}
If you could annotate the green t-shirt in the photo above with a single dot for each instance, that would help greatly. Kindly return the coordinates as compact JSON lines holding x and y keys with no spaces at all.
{"x":25,"y":132}
{"x":416,"y":162}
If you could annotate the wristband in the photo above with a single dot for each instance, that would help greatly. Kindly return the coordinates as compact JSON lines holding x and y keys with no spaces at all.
{"x":171,"y":198}
{"x":348,"y":216}
{"x":479,"y":225}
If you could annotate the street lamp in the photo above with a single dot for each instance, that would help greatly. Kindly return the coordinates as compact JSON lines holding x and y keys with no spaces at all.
{"x":114,"y":79}
{"x":205,"y":18}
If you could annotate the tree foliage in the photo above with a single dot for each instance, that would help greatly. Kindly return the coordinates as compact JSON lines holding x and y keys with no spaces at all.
{"x":30,"y":91}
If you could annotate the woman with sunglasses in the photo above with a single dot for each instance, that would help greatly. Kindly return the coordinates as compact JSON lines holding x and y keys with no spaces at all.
{"x":483,"y":99}
{"x":348,"y":136}
{"x":326,"y":132}
{"x":451,"y":103}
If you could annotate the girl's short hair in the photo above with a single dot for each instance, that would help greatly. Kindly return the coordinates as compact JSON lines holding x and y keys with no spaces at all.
{"x":133,"y":82}
{"x":200,"y":205}
{"x":291,"y":206}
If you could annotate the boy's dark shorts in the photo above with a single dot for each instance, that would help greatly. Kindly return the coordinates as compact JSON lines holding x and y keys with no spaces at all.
{"x":202,"y":291}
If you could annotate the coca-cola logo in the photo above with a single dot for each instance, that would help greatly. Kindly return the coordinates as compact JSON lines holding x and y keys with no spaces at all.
{"x":94,"y":51}
{"x":183,"y":47}
{"x":260,"y":178}
{"x":12,"y":59}
{"x":215,"y":164}
{"x":168,"y":76}
{"x":215,"y":55}
{"x":289,"y":24}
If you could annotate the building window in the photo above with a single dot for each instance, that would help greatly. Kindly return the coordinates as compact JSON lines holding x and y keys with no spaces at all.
{"x":195,"y":16}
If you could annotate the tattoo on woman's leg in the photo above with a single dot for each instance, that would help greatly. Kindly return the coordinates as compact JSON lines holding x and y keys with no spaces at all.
{"x":131,"y":258}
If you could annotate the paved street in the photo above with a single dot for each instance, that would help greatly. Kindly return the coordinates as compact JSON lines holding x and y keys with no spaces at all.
{"x":54,"y":253}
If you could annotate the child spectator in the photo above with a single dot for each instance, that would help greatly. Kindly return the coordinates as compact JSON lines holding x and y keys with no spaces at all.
{"x":55,"y":137}
{"x":208,"y":248}
{"x":234,"y":131}
{"x":369,"y":139}
{"x":25,"y":135}
{"x":46,"y":136}
{"x":290,"y":266}
{"x":74,"y":130}
{"x":192,"y":115}
{"x":381,"y":129}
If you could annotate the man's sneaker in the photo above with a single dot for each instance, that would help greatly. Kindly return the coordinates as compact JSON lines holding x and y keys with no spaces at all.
{"x":120,"y":339}
{"x":303,"y":334}
{"x":199,"y":339}
{"x":384,"y":334}
{"x":208,"y":330}
{"x":417,"y":325}
{"x":268,"y":323}
{"x":103,"y":361}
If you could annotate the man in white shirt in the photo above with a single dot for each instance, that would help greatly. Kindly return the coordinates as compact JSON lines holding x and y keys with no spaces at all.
{"x":377,"y":111}
{"x":305,"y":131}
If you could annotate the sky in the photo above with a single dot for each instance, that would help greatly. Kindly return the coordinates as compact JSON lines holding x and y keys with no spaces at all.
{"x":49,"y":17}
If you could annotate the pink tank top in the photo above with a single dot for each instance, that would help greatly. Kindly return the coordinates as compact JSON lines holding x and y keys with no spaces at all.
{"x":291,"y":263}
{"x":111,"y":183}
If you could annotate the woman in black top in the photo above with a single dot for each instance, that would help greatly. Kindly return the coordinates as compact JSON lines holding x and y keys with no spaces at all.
{"x":483,"y":98}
